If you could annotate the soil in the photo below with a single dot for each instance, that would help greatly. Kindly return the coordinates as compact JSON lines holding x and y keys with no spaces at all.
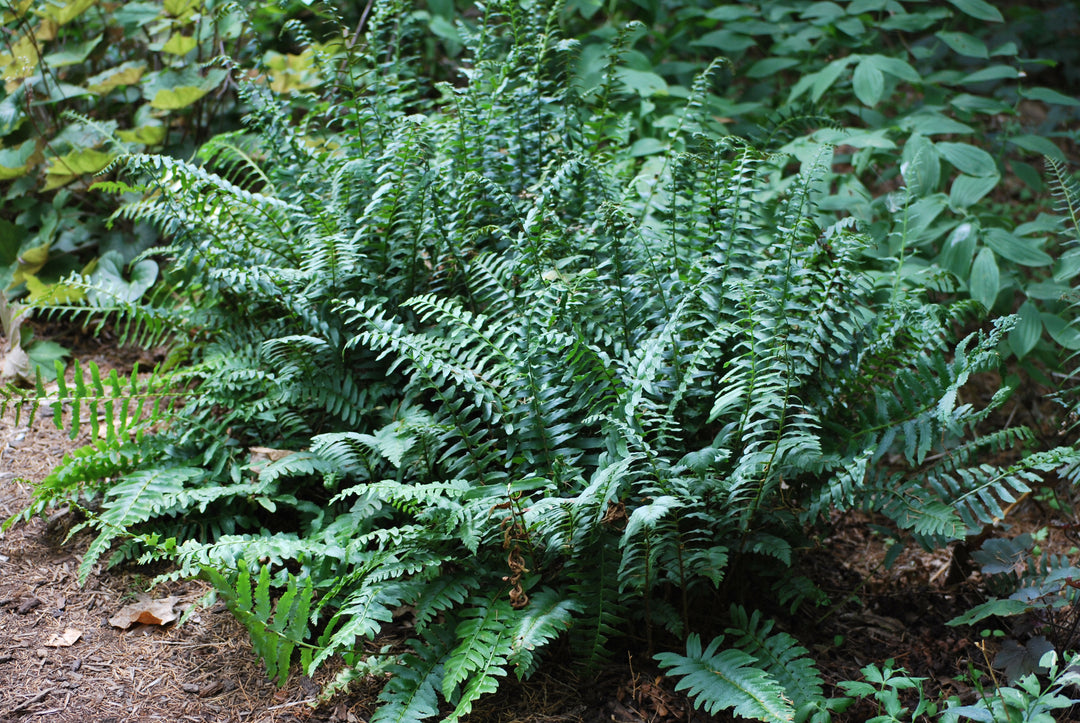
{"x":61,"y":659}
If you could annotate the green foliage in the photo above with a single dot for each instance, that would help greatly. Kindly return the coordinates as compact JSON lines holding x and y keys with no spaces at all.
{"x":276,"y":628}
{"x":475,"y":353}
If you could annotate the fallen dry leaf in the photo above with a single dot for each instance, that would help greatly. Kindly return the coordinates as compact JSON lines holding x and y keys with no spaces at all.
{"x":65,"y":639}
{"x":145,"y":610}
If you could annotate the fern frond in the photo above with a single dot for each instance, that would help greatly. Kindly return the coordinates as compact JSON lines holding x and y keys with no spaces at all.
{"x":720,"y":679}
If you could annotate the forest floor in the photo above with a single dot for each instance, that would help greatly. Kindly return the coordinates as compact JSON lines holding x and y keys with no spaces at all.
{"x":64,"y":658}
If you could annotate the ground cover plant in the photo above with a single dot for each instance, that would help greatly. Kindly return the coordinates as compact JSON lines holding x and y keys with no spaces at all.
{"x":85,"y":82}
{"x":465,"y":356}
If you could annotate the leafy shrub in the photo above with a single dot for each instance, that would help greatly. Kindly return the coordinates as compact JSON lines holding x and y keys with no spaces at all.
{"x":931,"y":106}
{"x":472,"y":356}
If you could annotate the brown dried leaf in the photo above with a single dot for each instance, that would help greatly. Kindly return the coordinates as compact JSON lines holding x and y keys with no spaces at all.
{"x":65,"y":639}
{"x":262,"y":454}
{"x":147,"y":611}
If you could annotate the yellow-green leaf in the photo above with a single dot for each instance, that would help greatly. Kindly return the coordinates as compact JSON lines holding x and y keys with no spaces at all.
{"x":127,"y":73}
{"x":179,"y":8}
{"x":21,"y":61}
{"x":176,"y":98}
{"x":64,"y":13}
{"x":146,"y":135}
{"x":65,"y":169}
{"x":52,"y":293}
{"x":29,"y":263}
{"x":179,"y":44}
{"x":15,"y":162}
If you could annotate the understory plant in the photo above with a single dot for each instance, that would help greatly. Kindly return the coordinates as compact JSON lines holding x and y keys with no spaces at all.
{"x":455,"y":362}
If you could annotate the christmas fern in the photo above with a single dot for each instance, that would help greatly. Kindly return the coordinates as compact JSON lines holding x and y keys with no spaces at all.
{"x":457,"y":363}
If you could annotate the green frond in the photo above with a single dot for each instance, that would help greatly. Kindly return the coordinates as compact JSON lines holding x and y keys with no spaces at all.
{"x":720,"y":679}
{"x":780,"y":655}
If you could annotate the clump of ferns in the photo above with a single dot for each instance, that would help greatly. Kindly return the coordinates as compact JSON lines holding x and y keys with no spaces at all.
{"x":526,"y":392}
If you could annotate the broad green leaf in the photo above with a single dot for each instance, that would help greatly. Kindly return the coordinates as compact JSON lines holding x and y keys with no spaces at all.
{"x":647,"y":147}
{"x":895,"y":67}
{"x":110,"y":284}
{"x":920,"y":166}
{"x":930,"y":123}
{"x":44,"y":355}
{"x":994,"y":72}
{"x":992,"y":608}
{"x":725,"y":40}
{"x":127,"y":73}
{"x":730,"y":12}
{"x":20,"y":60}
{"x":1061,"y":331}
{"x":1046,"y":291}
{"x":958,"y":251}
{"x":824,"y":78}
{"x":1008,"y":48}
{"x":1037,"y":144}
{"x":979,"y":9}
{"x":823,"y":11}
{"x":1021,"y":250}
{"x":969,"y":103}
{"x":985,"y":281}
{"x":65,"y":169}
{"x":1025,"y":335}
{"x":1047,"y":95}
{"x":868,"y":82}
{"x":72,"y":54}
{"x":857,"y":7}
{"x":30,"y":261}
{"x":968,"y":159}
{"x":967,"y":190}
{"x":770,"y":66}
{"x":914,"y":22}
{"x":967,"y":45}
{"x":642,"y":82}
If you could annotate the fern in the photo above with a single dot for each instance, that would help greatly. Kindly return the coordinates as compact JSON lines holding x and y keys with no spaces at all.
{"x":720,"y":679}
{"x":276,"y":628}
{"x":524,"y":384}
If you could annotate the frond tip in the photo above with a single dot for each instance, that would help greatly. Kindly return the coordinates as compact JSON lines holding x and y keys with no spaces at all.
{"x":717,"y":680}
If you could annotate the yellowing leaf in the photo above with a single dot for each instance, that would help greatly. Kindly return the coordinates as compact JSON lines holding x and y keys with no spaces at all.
{"x":65,"y":169}
{"x":15,"y":162}
{"x":21,"y":61}
{"x":34,"y":258}
{"x":13,"y":11}
{"x":29,"y":263}
{"x":176,"y":98}
{"x":64,"y":13}
{"x":127,"y":73}
{"x":146,"y":135}
{"x":179,"y":44}
{"x":40,"y":292}
{"x":46,"y":30}
{"x":179,"y":8}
